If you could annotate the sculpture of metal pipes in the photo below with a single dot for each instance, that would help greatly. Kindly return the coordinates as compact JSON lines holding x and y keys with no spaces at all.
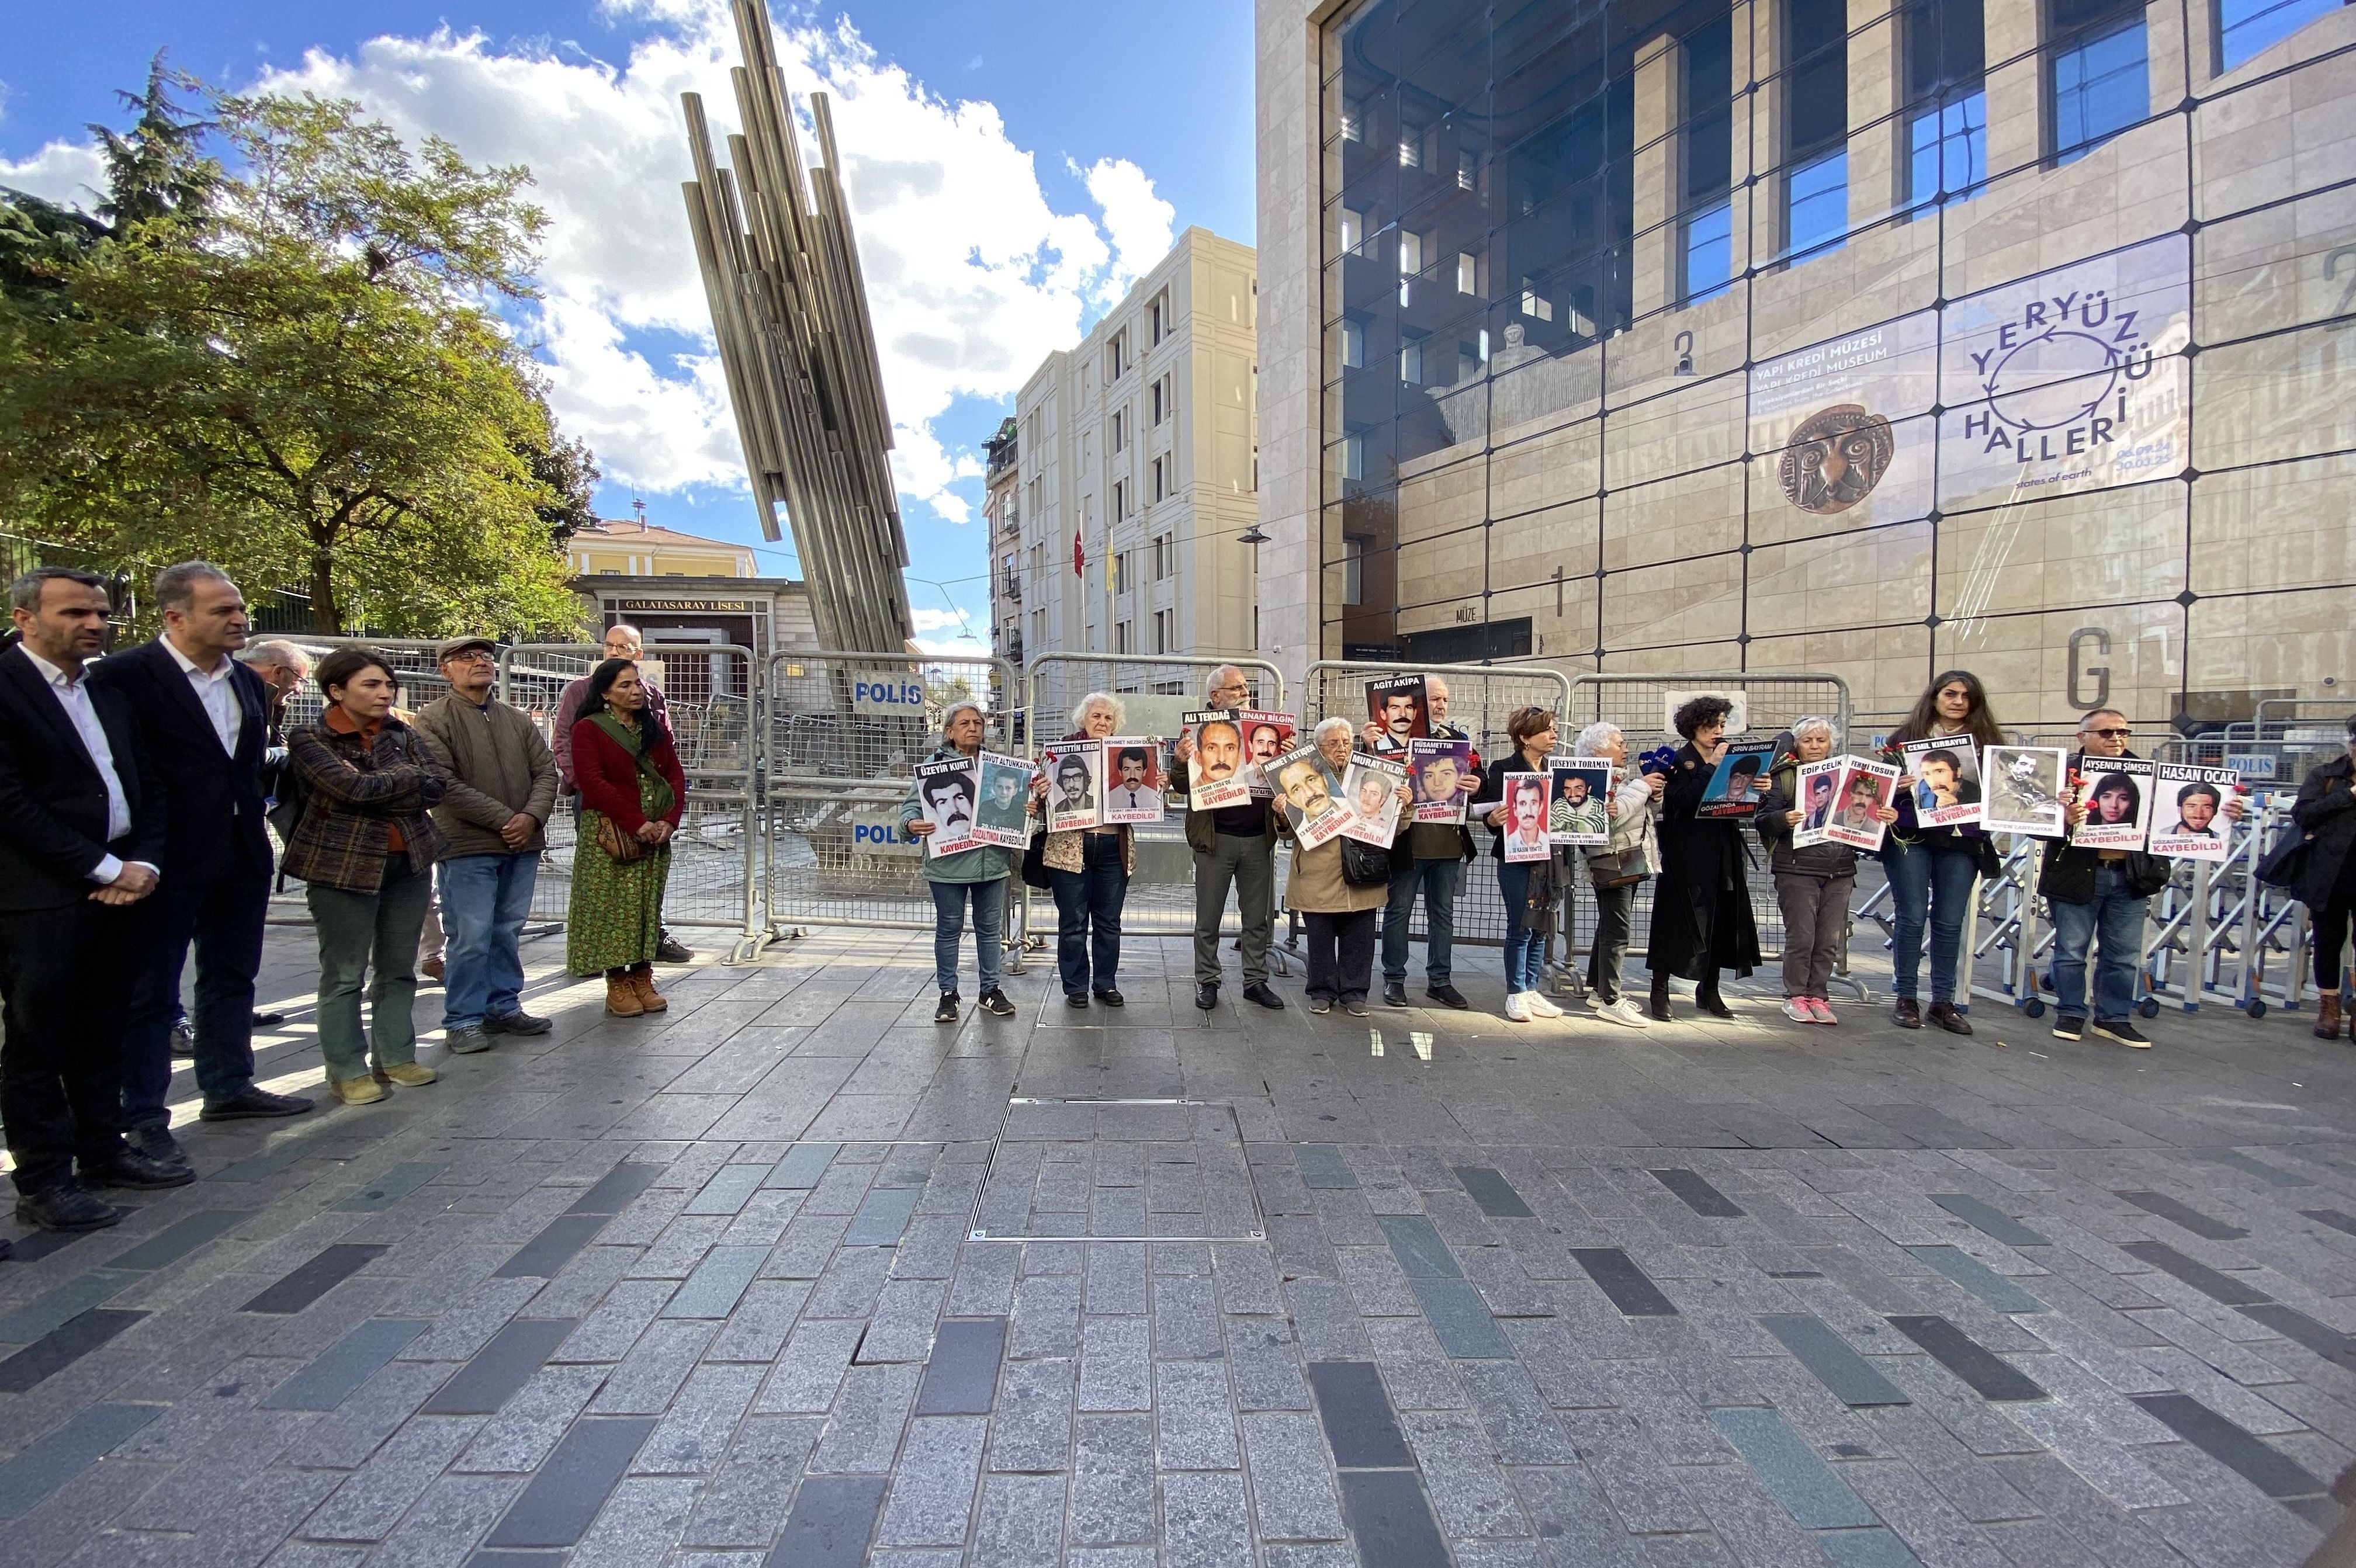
{"x":789,"y":309}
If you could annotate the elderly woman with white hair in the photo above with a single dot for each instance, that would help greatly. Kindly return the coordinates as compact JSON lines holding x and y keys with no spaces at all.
{"x":1341,"y":915}
{"x":975,"y":877}
{"x":1616,"y":869}
{"x":1812,"y":884}
{"x":1089,"y":871}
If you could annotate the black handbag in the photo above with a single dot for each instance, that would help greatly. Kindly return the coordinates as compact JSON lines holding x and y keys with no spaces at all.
{"x":1617,"y":868}
{"x":2285,"y":865}
{"x":1035,"y":863}
{"x":1366,"y":865}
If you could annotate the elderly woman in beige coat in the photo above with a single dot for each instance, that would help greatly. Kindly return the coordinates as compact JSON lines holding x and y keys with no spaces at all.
{"x":1343,"y":920}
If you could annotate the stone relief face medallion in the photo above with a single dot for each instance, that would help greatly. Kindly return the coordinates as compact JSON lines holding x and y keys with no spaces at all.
{"x":1836,"y":458}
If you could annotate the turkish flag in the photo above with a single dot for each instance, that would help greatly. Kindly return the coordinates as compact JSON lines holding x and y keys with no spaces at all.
{"x":1079,"y":556}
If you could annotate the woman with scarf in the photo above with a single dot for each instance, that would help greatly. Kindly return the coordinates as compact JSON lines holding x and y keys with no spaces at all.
{"x":632,"y":796}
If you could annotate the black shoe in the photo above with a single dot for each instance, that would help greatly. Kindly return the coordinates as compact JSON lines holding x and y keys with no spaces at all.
{"x":1660,"y":1008}
{"x":947,"y":1013}
{"x":1206,"y":995}
{"x":66,"y":1207}
{"x":1112,"y":998}
{"x":1713,"y":1004}
{"x":516,"y":1022}
{"x":250,"y":1103}
{"x":1944,"y":1014}
{"x":1395,"y":993}
{"x":2069,"y":1029}
{"x":1906,"y":1013}
{"x":1257,"y":991}
{"x":994,"y":1003}
{"x":1076,"y":999}
{"x":2122,"y":1031}
{"x":1448,"y":996}
{"x":157,"y":1144}
{"x":671,"y":950}
{"x":129,"y":1167}
{"x":7,"y":1249}
{"x":268,"y":1020}
{"x":184,"y":1040}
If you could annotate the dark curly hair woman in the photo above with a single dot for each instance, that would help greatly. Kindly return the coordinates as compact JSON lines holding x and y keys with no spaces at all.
{"x":1701,"y":906}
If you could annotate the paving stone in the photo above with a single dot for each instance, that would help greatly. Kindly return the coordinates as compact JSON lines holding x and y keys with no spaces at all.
{"x":832,"y":1521}
{"x":1204,"y":1521}
{"x":717,"y":1284}
{"x":47,"y":1463}
{"x":491,"y":1378}
{"x":299,"y":1289}
{"x":1194,"y":1425}
{"x":1112,"y":1480}
{"x":1032,"y":1430}
{"x":961,"y":1376}
{"x":1975,"y":1277}
{"x":61,"y":1347}
{"x":1391,"y":1520}
{"x":1116,"y":1365}
{"x":1992,"y":1221}
{"x":1832,"y":1359}
{"x":330,"y":1380}
{"x":546,"y":1254}
{"x":1989,"y":1376}
{"x":693,"y":1435}
{"x":387,"y":1191}
{"x":1020,"y":1522}
{"x":1292,"y":1484}
{"x":865,"y":1434}
{"x":61,"y":1304}
{"x":1618,"y":1276}
{"x":1698,"y":1194}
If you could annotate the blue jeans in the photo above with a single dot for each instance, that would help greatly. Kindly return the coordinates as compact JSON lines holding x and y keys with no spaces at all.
{"x":2113,"y":926}
{"x":1522,"y":944}
{"x":485,"y":901}
{"x":948,"y":925}
{"x":1438,"y":880}
{"x":1087,"y":915}
{"x":1933,"y":878}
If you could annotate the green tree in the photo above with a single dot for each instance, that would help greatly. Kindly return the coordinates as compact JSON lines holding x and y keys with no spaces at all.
{"x":296,"y":370}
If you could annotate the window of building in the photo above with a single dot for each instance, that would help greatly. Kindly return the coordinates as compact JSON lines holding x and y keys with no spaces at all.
{"x":1411,"y":361}
{"x":1354,"y":121}
{"x":1166,"y":397}
{"x":1410,"y":253}
{"x":1354,"y":345}
{"x":1815,"y":213}
{"x":1468,"y":168}
{"x":1946,"y":113}
{"x":1468,"y":272}
{"x":1161,"y":554}
{"x":1534,"y":303}
{"x":2098,"y":76}
{"x":1039,"y":629}
{"x":1709,"y":259}
{"x":1354,"y":457}
{"x":1122,"y":637}
{"x":609,"y":571}
{"x":1120,"y":499}
{"x":1411,"y":147}
{"x":1157,"y":316}
{"x":1706,"y":255}
{"x":1161,"y":486}
{"x":1116,"y":355}
{"x":1165,"y":630}
{"x":1354,"y":568}
{"x":1816,"y":127}
{"x":1351,"y":231}
{"x":2245,"y":26}
{"x":1120,"y":429}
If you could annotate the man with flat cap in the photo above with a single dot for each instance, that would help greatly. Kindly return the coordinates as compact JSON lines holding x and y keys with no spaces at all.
{"x":502,"y":793}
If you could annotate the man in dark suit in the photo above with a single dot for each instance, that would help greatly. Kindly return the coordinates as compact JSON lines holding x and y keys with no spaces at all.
{"x":81,"y":837}
{"x":203,"y":716}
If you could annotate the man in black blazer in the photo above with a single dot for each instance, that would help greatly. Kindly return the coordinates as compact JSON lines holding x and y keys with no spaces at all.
{"x":203,"y":716}
{"x":81,"y":838}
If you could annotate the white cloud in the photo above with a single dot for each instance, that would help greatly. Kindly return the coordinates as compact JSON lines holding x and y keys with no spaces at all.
{"x":941,"y":619}
{"x":62,"y":172}
{"x":972,"y":275}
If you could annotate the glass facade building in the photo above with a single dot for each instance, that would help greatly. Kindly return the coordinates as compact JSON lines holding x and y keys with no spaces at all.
{"x":1833,"y":335}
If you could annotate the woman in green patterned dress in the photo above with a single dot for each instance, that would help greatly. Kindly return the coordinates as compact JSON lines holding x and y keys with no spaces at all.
{"x":632,"y":794}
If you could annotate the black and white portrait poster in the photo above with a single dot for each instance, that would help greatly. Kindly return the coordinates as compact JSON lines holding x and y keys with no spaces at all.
{"x":1215,"y":777}
{"x":1371,"y":789}
{"x":1943,"y":771}
{"x":1441,"y":772}
{"x":1399,"y":707}
{"x":1133,"y":779}
{"x":1004,"y":815}
{"x":2187,"y":819}
{"x":1267,"y":736}
{"x":1522,"y":815}
{"x":2023,"y":785}
{"x":1311,"y":795}
{"x":947,"y":792}
{"x":1072,"y":770}
{"x":2117,"y":795}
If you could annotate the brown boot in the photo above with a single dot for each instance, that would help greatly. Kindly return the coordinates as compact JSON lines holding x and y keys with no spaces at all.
{"x":2326,"y":1015}
{"x":621,"y":997}
{"x":642,"y":980}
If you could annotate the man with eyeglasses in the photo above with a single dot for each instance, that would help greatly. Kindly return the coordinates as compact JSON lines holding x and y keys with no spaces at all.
{"x":1231,"y":847}
{"x":2099,"y":900}
{"x":502,"y":793}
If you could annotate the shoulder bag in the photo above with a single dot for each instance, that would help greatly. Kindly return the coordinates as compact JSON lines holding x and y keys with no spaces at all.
{"x":623,"y":848}
{"x":1366,"y":865}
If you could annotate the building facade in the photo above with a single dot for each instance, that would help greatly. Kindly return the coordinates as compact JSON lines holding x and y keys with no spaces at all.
{"x":625,"y":547}
{"x":1132,"y":475}
{"x":1867,"y":336}
{"x":1001,"y":513}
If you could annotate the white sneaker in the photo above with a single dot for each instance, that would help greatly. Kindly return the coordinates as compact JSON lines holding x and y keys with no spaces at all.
{"x":1540,"y":1007}
{"x":1626,"y":1011}
{"x":1797,"y":1011}
{"x":1514,"y":1012}
{"x":1595,"y":999}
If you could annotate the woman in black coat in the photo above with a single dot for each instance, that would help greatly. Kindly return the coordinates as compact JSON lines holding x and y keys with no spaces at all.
{"x":1701,"y":907}
{"x":2327,"y":812}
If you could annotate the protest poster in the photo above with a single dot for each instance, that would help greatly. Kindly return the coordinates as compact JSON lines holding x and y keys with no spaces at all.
{"x":2187,"y":819}
{"x":1073,"y":770}
{"x":1004,"y":815}
{"x":1371,"y":790}
{"x":1522,"y":815}
{"x":2117,"y":794}
{"x":1214,"y":778}
{"x":1944,"y":771}
{"x":1734,"y":789}
{"x":1267,"y":736}
{"x":1133,"y":779}
{"x":1399,"y":706}
{"x":2023,"y":786}
{"x":1441,"y":772}
{"x":1866,"y":787}
{"x":1309,"y":790}
{"x":1817,"y":789}
{"x":1579,"y":795}
{"x":945,"y":794}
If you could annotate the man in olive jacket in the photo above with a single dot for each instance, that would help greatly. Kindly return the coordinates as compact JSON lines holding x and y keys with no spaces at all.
{"x":502,"y":793}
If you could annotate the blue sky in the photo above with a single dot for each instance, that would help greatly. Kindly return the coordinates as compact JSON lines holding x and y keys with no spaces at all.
{"x":1061,"y":144}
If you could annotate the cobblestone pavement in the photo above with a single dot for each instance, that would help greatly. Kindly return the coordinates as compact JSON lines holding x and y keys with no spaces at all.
{"x":792,"y":1274}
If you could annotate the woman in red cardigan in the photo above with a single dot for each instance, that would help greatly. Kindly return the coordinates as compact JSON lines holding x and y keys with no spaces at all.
{"x":632,"y":794}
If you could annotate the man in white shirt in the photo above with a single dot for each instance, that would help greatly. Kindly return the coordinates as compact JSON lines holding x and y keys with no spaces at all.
{"x":81,"y":835}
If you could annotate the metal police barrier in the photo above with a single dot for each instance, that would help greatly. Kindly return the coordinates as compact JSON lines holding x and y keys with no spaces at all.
{"x":1642,"y":705}
{"x":709,"y":691}
{"x":1155,"y":690}
{"x":841,"y":733}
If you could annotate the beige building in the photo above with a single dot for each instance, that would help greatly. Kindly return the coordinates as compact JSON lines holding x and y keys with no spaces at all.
{"x":1001,"y":512}
{"x":1132,"y":456}
{"x":1826,"y":335}
{"x":623,"y":547}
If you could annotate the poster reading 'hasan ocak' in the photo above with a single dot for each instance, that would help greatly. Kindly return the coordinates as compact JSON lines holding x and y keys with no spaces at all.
{"x":1840,"y":428}
{"x":2189,"y":818}
{"x":2073,"y":380}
